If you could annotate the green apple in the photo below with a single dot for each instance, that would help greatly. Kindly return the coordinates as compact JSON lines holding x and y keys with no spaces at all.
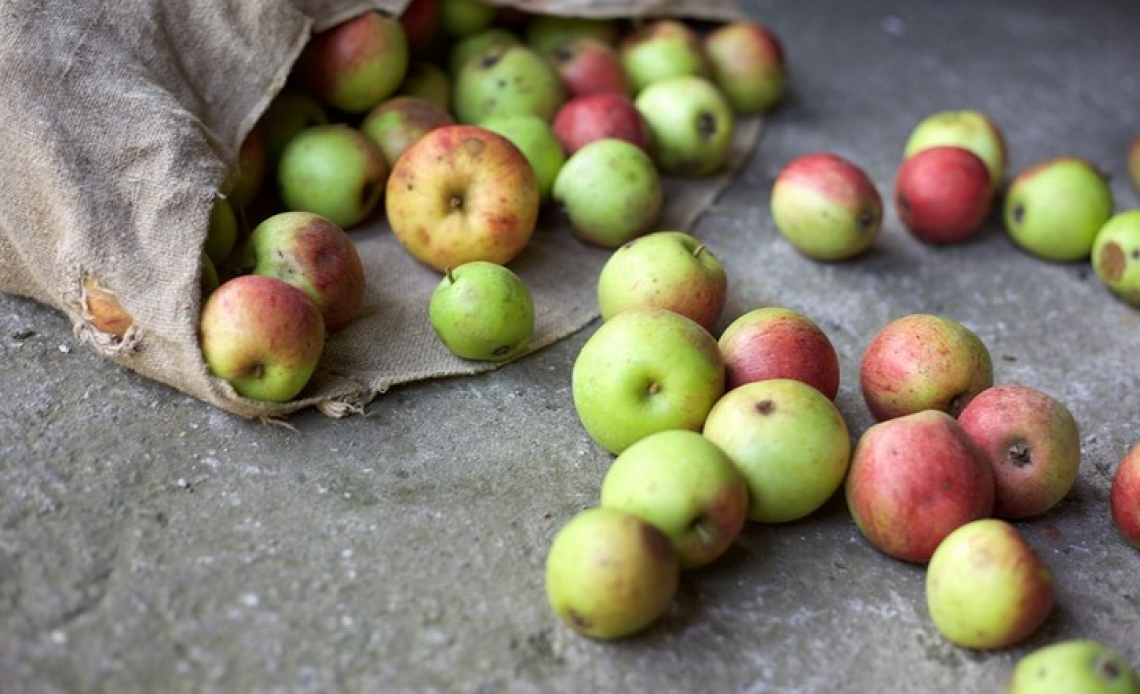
{"x":262,"y":335}
{"x":221,"y":235}
{"x":682,"y":484}
{"x":826,"y":207}
{"x":1075,"y":665}
{"x":507,"y":80}
{"x":313,"y":254}
{"x":475,"y":45}
{"x":427,"y":81}
{"x":1116,"y":255}
{"x":290,"y":112}
{"x":209,"y":280}
{"x":747,"y":65}
{"x":482,"y":311}
{"x":460,"y":18}
{"x":356,"y":64}
{"x":609,"y":574}
{"x":252,"y":164}
{"x":545,"y":33}
{"x":691,"y":122}
{"x":332,"y":170}
{"x":971,"y":129}
{"x":643,"y":371}
{"x":1054,"y":208}
{"x":397,"y":123}
{"x":462,"y":193}
{"x":662,"y":49}
{"x":985,"y":586}
{"x":790,"y":442}
{"x":536,"y":140}
{"x":664,"y":269}
{"x":610,"y":191}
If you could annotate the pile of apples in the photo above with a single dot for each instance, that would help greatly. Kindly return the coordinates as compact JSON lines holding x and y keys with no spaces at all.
{"x":458,"y":121}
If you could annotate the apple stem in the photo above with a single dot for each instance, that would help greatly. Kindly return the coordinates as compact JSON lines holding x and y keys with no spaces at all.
{"x":698,"y":250}
{"x":450,"y":276}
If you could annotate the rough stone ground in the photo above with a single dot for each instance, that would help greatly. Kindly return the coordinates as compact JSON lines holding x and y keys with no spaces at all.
{"x":151,"y":543}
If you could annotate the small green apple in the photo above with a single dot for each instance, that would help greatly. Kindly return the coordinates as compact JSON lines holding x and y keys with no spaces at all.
{"x":1116,"y":255}
{"x":507,"y":80}
{"x":972,"y":129}
{"x":1054,"y":209}
{"x":790,"y":442}
{"x":1076,"y":665}
{"x":985,"y":586}
{"x":482,"y":311}
{"x":691,"y":122}
{"x":643,"y":371}
{"x":222,"y":233}
{"x":684,"y":485}
{"x":536,"y":140}
{"x":332,"y":170}
{"x":291,"y":111}
{"x":609,"y":574}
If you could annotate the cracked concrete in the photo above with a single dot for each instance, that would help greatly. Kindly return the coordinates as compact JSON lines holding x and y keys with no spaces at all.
{"x":149,"y":542}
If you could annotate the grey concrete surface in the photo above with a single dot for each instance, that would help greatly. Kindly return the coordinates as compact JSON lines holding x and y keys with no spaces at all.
{"x":151,"y":543}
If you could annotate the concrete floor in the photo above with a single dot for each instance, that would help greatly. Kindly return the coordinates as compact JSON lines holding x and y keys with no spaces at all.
{"x":151,"y":543}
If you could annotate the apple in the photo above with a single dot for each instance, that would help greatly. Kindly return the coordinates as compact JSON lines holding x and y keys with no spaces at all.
{"x":208,"y":279}
{"x":913,"y":480}
{"x":102,"y":309}
{"x":1073,"y":665}
{"x":482,"y":311}
{"x":661,"y":49}
{"x":790,"y":442}
{"x":396,"y":123}
{"x":643,"y":371}
{"x":585,"y":119}
{"x":609,"y":574}
{"x":1116,"y":255}
{"x":826,"y":207}
{"x":332,"y":170}
{"x":1134,"y":163}
{"x":475,"y":45}
{"x":986,"y":588}
{"x":969,"y":128}
{"x":507,"y":80}
{"x":420,"y":20}
{"x":610,"y":191}
{"x":1124,"y":496}
{"x":262,"y":335}
{"x":427,"y":81}
{"x":748,"y":65}
{"x":313,"y":254}
{"x":536,"y":140}
{"x":588,"y":66}
{"x":691,"y":123}
{"x":460,"y":18}
{"x":923,"y":362}
{"x":252,"y":164}
{"x":1032,"y":443}
{"x":685,"y":486}
{"x":222,"y":232}
{"x":1054,"y":208}
{"x":290,"y":112}
{"x":943,"y":194}
{"x":777,"y":342}
{"x":664,"y":269}
{"x":546,"y":33}
{"x":356,"y":64}
{"x":462,"y":193}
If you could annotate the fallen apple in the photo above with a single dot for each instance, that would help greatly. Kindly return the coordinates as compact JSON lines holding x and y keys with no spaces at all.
{"x":607,"y":115}
{"x":943,"y":194}
{"x":748,"y":65}
{"x":691,"y":124}
{"x":356,"y":64}
{"x":395,"y":124}
{"x":588,"y":66}
{"x":536,"y":140}
{"x":334,"y":171}
{"x":969,"y":128}
{"x":662,"y":49}
{"x":1071,"y":666}
{"x":777,"y":342}
{"x":507,"y":80}
{"x":1124,"y":496}
{"x":482,"y":311}
{"x":1055,"y":208}
{"x":1116,"y":255}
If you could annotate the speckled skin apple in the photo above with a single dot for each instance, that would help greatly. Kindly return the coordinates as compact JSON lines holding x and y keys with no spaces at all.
{"x":923,"y":362}
{"x":332,"y":170}
{"x":972,"y":129}
{"x":507,"y":80}
{"x":1033,"y":445}
{"x":826,"y":207}
{"x":1075,"y":665}
{"x":586,"y":119}
{"x":943,"y":194}
{"x":1116,"y":256}
{"x":777,"y":342}
{"x":588,"y":66}
{"x":748,"y":65}
{"x":986,"y":587}
{"x":913,"y":480}
{"x":1124,"y":496}
{"x":1055,"y":208}
{"x":790,"y":442}
{"x":610,"y":574}
{"x":462,"y":193}
{"x":685,"y":486}
{"x":356,"y":64}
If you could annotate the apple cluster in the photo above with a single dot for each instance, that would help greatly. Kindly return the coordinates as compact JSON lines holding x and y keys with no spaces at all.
{"x":951,"y":178}
{"x":458,"y":121}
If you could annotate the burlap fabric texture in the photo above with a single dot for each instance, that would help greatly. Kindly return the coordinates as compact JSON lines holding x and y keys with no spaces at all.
{"x":120,"y":123}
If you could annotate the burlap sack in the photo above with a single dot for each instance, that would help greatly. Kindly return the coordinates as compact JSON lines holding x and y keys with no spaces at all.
{"x":121,"y":121}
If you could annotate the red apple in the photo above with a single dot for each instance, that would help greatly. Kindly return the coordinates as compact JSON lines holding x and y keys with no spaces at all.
{"x":1124,"y":498}
{"x":589,"y":66}
{"x":915,"y":479}
{"x":420,"y":20}
{"x":775,"y":342}
{"x":923,"y":362}
{"x":748,"y":65}
{"x":356,"y":64}
{"x":943,"y":194}
{"x":586,"y":119}
{"x":1032,"y":444}
{"x":1134,"y":164}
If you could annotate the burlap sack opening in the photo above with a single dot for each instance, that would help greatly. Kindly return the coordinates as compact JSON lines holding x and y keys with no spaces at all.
{"x":122,"y":120}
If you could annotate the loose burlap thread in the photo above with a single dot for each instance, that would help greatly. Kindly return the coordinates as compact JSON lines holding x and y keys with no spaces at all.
{"x":120,"y":125}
